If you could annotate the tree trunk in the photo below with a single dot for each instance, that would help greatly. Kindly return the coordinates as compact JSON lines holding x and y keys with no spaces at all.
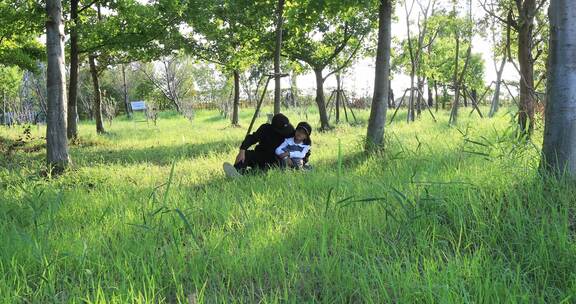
{"x":97,"y":95}
{"x":436,"y":94}
{"x":420,"y":99}
{"x":458,"y":86}
{"x":56,"y":140}
{"x":278,"y":50}
{"x":4,"y":115}
{"x":377,"y":121}
{"x":444,"y":96}
{"x":236,"y":104}
{"x":338,"y":97}
{"x":73,"y":88}
{"x":294,"y":89}
{"x":496,"y":98}
{"x":320,"y":101}
{"x":526,"y":105}
{"x":391,"y":102}
{"x":411,"y":109}
{"x":559,"y":148}
{"x":454,"y":112}
{"x":126,"y":103}
{"x":430,"y":98}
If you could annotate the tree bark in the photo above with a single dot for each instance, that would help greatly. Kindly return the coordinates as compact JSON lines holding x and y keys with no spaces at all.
{"x":411,"y":109}
{"x":526,"y":105}
{"x":4,"y":116}
{"x":56,"y":141}
{"x":430,"y":98}
{"x":73,"y":86}
{"x":338,"y":96}
{"x":320,"y":100}
{"x":125,"y":85}
{"x":444,"y":96}
{"x":454,"y":112}
{"x":436,"y":94}
{"x":391,"y":101}
{"x":559,"y":148}
{"x":97,"y":95}
{"x":377,"y":121}
{"x":458,"y":83}
{"x":496,"y":98}
{"x":236,"y":106}
{"x":277,"y":56}
{"x":420,"y":100}
{"x":294,"y":89}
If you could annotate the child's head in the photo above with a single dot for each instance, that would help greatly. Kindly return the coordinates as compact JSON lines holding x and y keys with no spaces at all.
{"x":303,"y":131}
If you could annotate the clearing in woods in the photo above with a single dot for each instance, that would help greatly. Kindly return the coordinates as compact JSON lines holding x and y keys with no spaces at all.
{"x":146,"y":215}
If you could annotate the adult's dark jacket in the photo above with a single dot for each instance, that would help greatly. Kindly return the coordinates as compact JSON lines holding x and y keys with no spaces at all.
{"x":268,"y":140}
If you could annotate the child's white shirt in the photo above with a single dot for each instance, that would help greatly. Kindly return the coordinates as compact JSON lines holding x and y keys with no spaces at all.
{"x":295,"y":150}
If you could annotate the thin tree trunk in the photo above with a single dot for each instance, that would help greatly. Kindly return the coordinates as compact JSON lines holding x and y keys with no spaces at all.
{"x":559,"y":148}
{"x":454,"y":112}
{"x":73,"y":88}
{"x":526,"y":106}
{"x":436,"y":94}
{"x":56,"y":130}
{"x":444,"y":96}
{"x":320,"y":100}
{"x":294,"y":89}
{"x":126,"y":103}
{"x":496,"y":98}
{"x":236,"y":104}
{"x":430,"y":98}
{"x":97,"y":95}
{"x":278,"y":50}
{"x":460,"y":80}
{"x":377,"y":121}
{"x":390,"y":95}
{"x":410,"y":116}
{"x":338,"y":97}
{"x":420,"y":99}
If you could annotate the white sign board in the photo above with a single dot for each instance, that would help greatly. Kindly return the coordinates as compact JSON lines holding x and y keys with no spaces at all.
{"x":138,"y":105}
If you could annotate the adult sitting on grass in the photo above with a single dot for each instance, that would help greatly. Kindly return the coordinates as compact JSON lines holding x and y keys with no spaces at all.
{"x":268,"y":137}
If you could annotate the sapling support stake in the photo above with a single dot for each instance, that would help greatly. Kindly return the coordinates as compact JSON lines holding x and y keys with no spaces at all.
{"x":259,"y":105}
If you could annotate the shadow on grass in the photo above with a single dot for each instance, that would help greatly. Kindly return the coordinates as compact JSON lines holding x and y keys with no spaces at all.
{"x":161,"y":155}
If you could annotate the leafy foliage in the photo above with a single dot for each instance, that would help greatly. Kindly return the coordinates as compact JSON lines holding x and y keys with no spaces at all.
{"x":438,"y":60}
{"x":20,"y":24}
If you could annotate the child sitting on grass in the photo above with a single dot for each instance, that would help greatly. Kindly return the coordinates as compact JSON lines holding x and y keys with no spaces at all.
{"x":293,"y":150}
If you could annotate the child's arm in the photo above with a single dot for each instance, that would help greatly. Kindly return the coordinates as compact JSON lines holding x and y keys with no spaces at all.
{"x":300,"y":154}
{"x":280,"y":149}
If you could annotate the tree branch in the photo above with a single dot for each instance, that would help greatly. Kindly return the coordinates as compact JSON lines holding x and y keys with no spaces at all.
{"x":87,"y":6}
{"x":493,"y":14}
{"x":347,"y":62}
{"x":339,"y":48}
{"x":537,"y":8}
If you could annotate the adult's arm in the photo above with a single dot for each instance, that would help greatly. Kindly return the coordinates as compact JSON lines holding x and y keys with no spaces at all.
{"x":253,"y":138}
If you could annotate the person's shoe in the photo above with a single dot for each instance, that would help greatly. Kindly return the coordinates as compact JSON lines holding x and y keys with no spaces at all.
{"x":231,"y":171}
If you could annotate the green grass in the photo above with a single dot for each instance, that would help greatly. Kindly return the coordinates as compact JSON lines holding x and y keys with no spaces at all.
{"x":146,"y":215}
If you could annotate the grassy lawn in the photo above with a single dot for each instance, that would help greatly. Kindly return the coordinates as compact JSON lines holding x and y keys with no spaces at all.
{"x":445,"y":215}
